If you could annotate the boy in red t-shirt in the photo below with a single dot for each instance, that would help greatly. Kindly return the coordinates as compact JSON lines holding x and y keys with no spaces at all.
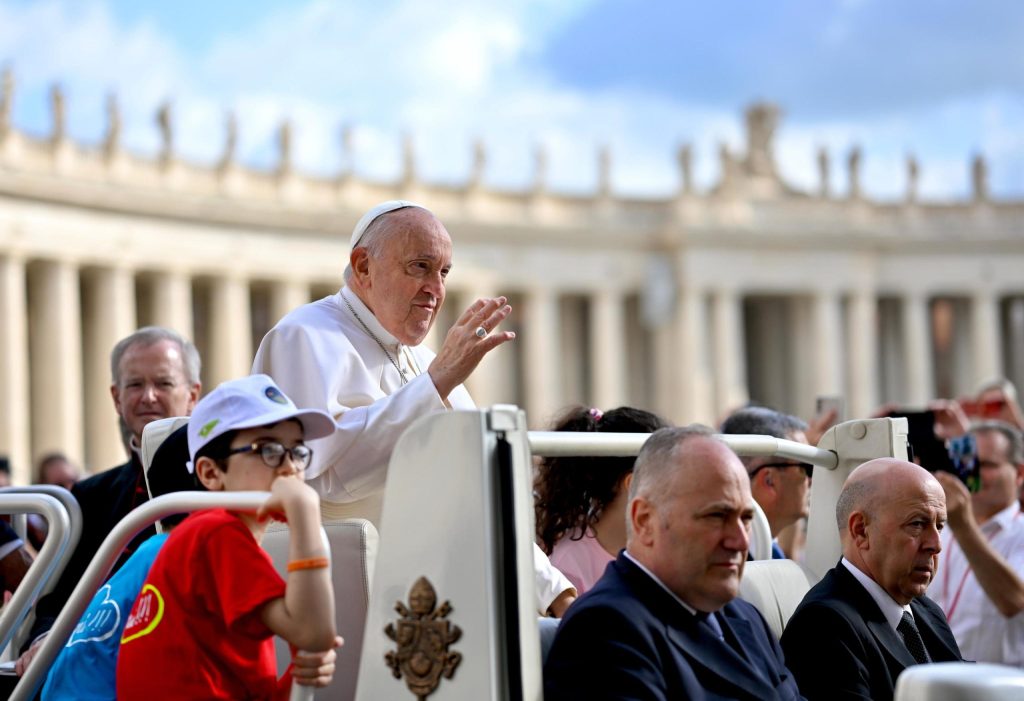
{"x":203,"y":625}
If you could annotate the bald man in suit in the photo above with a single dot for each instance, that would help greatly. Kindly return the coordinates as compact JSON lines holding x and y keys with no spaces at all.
{"x":868,"y":619}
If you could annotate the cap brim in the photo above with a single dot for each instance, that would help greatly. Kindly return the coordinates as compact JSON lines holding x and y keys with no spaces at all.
{"x":315,"y":423}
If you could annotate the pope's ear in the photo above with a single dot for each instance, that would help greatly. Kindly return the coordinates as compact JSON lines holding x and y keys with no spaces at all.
{"x":359,"y":260}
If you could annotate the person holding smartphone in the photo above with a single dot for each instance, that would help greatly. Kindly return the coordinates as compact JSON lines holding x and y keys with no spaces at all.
{"x":996,"y":400}
{"x":978,"y":583}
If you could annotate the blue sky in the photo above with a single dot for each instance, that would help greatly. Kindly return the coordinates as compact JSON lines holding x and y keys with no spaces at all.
{"x":941,"y":79}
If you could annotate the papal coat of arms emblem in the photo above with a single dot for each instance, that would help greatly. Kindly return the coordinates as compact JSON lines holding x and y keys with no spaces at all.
{"x":423,"y":637}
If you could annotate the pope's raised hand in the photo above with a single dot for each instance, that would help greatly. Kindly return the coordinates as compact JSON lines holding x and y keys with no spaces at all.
{"x":472,"y":337}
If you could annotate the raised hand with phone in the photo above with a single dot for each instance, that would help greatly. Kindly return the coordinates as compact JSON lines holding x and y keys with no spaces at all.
{"x":978,"y":583}
{"x":940,"y":441}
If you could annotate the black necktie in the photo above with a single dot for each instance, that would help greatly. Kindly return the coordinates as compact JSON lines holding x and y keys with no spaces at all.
{"x":912,"y":638}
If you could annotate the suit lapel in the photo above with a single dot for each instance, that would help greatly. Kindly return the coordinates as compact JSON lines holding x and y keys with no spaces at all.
{"x":704,"y":649}
{"x":876,"y":623}
{"x":697,"y":643}
{"x":931,"y":628}
{"x":891,"y":641}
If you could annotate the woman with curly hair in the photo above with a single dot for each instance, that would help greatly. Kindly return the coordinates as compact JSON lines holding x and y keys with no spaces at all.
{"x":580,"y":502}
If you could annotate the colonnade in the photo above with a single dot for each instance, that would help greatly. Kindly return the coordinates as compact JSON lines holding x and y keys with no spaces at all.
{"x":60,"y":322}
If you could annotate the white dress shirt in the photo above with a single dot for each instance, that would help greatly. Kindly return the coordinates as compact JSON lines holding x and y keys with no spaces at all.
{"x":981,"y":631}
{"x":891,"y":609}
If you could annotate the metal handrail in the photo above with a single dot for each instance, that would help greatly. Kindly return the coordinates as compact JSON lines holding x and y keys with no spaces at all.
{"x":126,"y":529}
{"x":57,"y":545}
{"x":560,"y":444}
{"x":70,"y":504}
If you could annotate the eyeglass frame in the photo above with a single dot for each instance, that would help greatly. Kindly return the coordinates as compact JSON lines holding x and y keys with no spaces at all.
{"x":807,"y":467}
{"x":258,"y":446}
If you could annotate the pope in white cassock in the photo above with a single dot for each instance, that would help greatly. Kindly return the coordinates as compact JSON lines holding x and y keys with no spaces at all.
{"x":357,"y":355}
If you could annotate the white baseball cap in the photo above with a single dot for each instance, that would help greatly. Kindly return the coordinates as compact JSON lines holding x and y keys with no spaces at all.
{"x":247,"y":403}
{"x":368,"y":218}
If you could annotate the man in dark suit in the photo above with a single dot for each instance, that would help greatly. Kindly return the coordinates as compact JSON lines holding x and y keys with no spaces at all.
{"x":155,"y":375}
{"x":868,"y":619}
{"x":664,"y":622}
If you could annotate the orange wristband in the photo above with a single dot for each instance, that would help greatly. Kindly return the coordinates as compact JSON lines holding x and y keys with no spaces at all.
{"x":312,"y":563}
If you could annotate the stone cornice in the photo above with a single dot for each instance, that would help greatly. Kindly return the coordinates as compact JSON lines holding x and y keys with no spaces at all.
{"x":749,"y":204}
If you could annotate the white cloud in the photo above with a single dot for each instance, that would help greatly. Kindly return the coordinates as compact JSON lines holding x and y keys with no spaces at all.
{"x":81,"y":46}
{"x":447,"y":74}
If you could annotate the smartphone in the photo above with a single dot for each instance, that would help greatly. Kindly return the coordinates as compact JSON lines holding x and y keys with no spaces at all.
{"x":963,"y":453}
{"x":958,"y":456}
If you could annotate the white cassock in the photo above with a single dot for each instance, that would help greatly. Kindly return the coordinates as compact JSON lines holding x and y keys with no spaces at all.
{"x":322,"y":357}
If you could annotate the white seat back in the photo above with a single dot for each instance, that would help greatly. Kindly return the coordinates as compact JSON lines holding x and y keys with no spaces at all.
{"x":760,"y":535}
{"x":854,"y":443}
{"x":956,"y":681}
{"x":353,"y":545}
{"x":776,"y":588}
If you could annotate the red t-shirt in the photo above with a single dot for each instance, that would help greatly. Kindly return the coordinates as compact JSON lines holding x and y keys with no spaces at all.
{"x":195,"y":631}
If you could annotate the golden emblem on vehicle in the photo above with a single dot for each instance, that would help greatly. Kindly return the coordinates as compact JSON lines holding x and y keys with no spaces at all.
{"x":423,"y":637}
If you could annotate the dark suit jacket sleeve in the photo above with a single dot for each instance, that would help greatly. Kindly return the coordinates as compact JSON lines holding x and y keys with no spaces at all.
{"x":105,"y":499}
{"x":825,"y":654}
{"x":600,"y":654}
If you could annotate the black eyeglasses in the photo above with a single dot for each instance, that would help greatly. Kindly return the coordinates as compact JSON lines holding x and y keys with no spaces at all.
{"x":806,"y":467}
{"x":272,"y":454}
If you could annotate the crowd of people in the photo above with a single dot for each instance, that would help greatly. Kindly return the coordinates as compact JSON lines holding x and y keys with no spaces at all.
{"x":640,"y":560}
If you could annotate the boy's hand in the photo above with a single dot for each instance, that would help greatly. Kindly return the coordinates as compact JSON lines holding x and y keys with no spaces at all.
{"x":315,"y":668}
{"x":21,"y":666}
{"x":286,"y":495}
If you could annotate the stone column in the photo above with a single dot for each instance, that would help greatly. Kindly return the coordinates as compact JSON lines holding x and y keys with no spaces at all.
{"x":986,"y":347}
{"x":666,"y":400}
{"x":827,"y":348}
{"x":863,"y":343}
{"x":540,"y":359}
{"x":172,"y":302}
{"x":608,"y":349}
{"x":14,"y":377}
{"x":917,"y":349}
{"x":108,"y":316}
{"x":56,"y":359}
{"x":682,"y":376}
{"x":229,"y":352}
{"x":286,"y":295}
{"x":729,"y":366}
